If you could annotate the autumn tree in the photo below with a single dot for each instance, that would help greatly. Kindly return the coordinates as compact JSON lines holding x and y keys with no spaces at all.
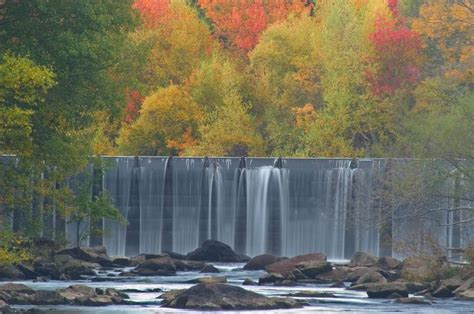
{"x":238,"y":24}
{"x":167,"y":124}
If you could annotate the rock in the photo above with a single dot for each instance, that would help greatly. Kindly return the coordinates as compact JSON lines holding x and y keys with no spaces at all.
{"x":422,"y":268}
{"x":383,"y":290}
{"x":311,"y":294}
{"x":420,"y":301}
{"x":76,"y":269}
{"x":414,"y":287}
{"x":244,"y":258}
{"x":447,"y":287}
{"x":209,"y":269}
{"x":260,"y":261}
{"x":388,"y":263}
{"x":124,"y":262}
{"x":360,"y":287}
{"x":225,"y":297}
{"x":313,"y":268}
{"x":114,"y":293}
{"x":175,"y":255}
{"x":209,"y":280}
{"x":161,"y":266}
{"x":371,"y":277}
{"x":97,"y":254}
{"x":4,"y":307}
{"x":359,"y":272}
{"x":467,"y":295}
{"x":286,"y":266}
{"x":296,"y":274}
{"x":336,"y":274}
{"x":98,"y":300}
{"x":270,"y":279}
{"x":214,"y":251}
{"x":339,"y":284}
{"x":169,"y":296}
{"x":363,"y":259}
{"x":249,"y":282}
{"x":16,"y":293}
{"x":10,"y":272}
{"x":188,"y":265}
{"x":135,"y":260}
{"x":466,"y":290}
{"x":44,"y":297}
{"x":27,"y":271}
{"x":394,"y":295}
{"x":47,"y":268}
{"x":77,"y":292}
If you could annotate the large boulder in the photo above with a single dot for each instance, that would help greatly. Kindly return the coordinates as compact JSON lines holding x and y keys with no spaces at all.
{"x":371,"y":277}
{"x":388,"y":263}
{"x":260,"y":261}
{"x":161,"y":266}
{"x":209,"y":268}
{"x":363,"y":259}
{"x":358,"y":272}
{"x":466,"y":290}
{"x":96,"y":254}
{"x":384,"y":290}
{"x":10,"y":272}
{"x":311,"y":269}
{"x":47,"y":268}
{"x":286,"y":266}
{"x":447,"y":287}
{"x":214,"y":251}
{"x":46,"y":297}
{"x":271,"y":278}
{"x":422,"y":268}
{"x":16,"y":293}
{"x":209,"y":280}
{"x":225,"y":297}
{"x":188,"y":265}
{"x":77,"y":293}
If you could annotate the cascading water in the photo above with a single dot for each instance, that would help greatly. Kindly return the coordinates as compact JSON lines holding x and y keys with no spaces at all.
{"x":284,"y":207}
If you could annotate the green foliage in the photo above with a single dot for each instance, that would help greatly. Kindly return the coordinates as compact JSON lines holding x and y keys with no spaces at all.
{"x":13,"y":248}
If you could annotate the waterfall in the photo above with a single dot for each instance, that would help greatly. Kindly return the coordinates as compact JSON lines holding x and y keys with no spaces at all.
{"x":283,"y":206}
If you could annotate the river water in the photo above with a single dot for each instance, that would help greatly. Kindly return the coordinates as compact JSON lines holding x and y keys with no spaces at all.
{"x":344,"y":300}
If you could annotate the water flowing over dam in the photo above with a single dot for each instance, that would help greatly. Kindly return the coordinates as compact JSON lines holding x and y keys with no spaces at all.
{"x":256,"y":205}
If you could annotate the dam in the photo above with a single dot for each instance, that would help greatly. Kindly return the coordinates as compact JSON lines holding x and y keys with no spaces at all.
{"x":282,"y":206}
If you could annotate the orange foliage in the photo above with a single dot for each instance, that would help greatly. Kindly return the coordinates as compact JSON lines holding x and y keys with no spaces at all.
{"x":239,"y":23}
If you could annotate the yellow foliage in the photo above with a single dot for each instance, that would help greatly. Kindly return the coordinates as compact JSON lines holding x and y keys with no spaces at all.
{"x":167,"y":124}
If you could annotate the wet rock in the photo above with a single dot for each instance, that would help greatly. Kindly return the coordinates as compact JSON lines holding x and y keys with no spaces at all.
{"x":76,"y":269}
{"x":313,"y":268}
{"x":214,"y":251}
{"x":383,"y":290}
{"x":339,"y":284}
{"x":336,"y":274}
{"x":244,"y":258}
{"x":360,"y":287}
{"x":225,"y":297}
{"x":296,"y":274}
{"x":260,"y":261}
{"x":188,"y":265}
{"x":270,"y":279}
{"x":359,"y":272}
{"x":44,"y":297}
{"x":249,"y":282}
{"x":414,"y":287}
{"x":363,"y":259}
{"x":209,"y":269}
{"x":96,"y":254}
{"x":114,"y":293}
{"x":16,"y":293}
{"x":422,"y":268}
{"x":420,"y":301}
{"x":98,"y":300}
{"x":4,"y":307}
{"x":46,"y":268}
{"x":388,"y":263}
{"x":286,"y":266}
{"x":311,"y":294}
{"x":10,"y":272}
{"x":467,"y":295}
{"x":28,"y":271}
{"x":209,"y":280}
{"x":175,"y":255}
{"x":447,"y":287}
{"x":371,"y":277}
{"x":162,"y":266}
{"x":77,"y":293}
{"x":124,"y":262}
{"x":169,"y":296}
{"x":135,"y":260}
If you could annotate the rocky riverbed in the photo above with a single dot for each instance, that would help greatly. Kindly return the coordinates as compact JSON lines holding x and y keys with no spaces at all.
{"x":87,"y":280}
